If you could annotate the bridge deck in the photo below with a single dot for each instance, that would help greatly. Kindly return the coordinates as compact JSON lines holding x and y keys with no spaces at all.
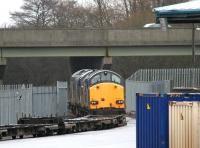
{"x":91,"y":42}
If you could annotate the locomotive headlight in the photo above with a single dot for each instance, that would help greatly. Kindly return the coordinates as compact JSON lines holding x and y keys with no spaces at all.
{"x":120,"y":102}
{"x":94,"y":102}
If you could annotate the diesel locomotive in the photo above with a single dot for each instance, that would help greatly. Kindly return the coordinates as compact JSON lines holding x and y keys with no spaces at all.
{"x":96,"y":92}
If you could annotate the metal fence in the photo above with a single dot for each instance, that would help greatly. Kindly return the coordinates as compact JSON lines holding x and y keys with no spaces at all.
{"x":27,"y":101}
{"x":185,"y":77}
{"x":15,"y":101}
{"x":44,"y":101}
{"x":133,"y":87}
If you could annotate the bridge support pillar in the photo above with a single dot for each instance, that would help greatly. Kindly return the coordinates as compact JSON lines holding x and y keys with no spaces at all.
{"x":107,"y":63}
{"x":3,"y":63}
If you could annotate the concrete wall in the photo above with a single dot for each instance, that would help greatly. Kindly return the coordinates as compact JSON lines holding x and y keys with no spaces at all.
{"x":92,"y":37}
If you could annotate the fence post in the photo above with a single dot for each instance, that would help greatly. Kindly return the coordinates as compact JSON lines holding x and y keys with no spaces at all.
{"x":62,"y":97}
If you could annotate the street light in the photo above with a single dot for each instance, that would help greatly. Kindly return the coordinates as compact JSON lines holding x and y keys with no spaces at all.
{"x":193,"y":46}
{"x":194,"y":29}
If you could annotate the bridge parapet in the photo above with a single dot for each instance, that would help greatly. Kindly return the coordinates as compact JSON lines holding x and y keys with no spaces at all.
{"x":94,"y":38}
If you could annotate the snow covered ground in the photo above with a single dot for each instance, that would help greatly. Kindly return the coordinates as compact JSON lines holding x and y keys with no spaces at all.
{"x":122,"y":137}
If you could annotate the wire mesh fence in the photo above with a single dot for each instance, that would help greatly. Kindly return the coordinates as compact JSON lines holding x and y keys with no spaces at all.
{"x":181,"y":77}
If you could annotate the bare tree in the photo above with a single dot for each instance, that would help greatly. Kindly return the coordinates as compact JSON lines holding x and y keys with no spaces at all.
{"x":70,"y":14}
{"x":126,"y":8}
{"x":55,"y":13}
{"x":104,"y":12}
{"x":100,"y":11}
{"x":35,"y":13}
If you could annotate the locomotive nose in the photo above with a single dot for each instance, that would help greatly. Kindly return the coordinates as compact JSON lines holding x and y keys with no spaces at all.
{"x":108,"y":95}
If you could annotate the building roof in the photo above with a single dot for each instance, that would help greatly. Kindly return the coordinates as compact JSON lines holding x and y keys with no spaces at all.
{"x":188,"y":12}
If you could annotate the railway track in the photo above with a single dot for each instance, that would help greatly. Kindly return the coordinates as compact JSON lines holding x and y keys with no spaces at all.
{"x":39,"y":127}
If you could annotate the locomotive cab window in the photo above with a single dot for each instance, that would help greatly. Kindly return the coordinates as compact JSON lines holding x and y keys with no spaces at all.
{"x":116,"y":79}
{"x":105,"y":76}
{"x":95,"y":79}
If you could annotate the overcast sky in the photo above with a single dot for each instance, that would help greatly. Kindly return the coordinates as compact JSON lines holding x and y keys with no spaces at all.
{"x":7,"y":6}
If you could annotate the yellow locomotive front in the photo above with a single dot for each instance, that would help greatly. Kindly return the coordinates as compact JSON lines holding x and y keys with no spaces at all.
{"x":106,"y":95}
{"x":106,"y":92}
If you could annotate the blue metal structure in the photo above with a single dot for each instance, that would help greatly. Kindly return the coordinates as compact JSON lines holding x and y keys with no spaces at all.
{"x":152,"y":118}
{"x":188,"y":12}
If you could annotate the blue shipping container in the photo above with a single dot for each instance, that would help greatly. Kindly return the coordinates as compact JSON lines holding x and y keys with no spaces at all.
{"x":152,"y":118}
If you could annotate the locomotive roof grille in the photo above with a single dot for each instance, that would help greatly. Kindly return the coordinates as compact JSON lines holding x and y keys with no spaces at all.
{"x":86,"y":75}
{"x":100,"y":71}
{"x":80,"y":72}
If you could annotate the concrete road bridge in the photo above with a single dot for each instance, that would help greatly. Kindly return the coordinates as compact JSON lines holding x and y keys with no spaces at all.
{"x":94,"y":43}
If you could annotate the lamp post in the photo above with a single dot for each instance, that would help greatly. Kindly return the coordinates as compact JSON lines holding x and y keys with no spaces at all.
{"x":193,"y":46}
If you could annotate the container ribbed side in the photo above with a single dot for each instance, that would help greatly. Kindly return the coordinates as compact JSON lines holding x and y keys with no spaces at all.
{"x":184,"y":124}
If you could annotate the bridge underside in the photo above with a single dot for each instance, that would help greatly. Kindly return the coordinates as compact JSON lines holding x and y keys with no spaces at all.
{"x":171,"y":50}
{"x":78,"y":63}
{"x":92,"y":57}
